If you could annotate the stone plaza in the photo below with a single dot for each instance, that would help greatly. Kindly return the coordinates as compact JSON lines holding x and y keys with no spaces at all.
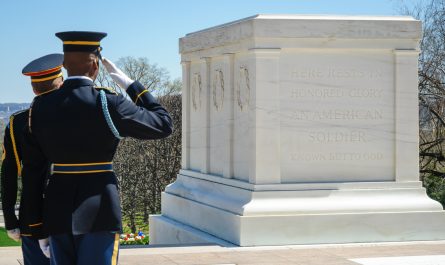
{"x":413,"y":253}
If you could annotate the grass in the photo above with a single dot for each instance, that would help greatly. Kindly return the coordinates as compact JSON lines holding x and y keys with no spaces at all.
{"x":140,"y":225}
{"x":5,"y":241}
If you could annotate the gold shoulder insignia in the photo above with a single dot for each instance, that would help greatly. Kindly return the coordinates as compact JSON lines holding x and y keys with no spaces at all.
{"x":46,"y":92}
{"x":108,"y":90}
{"x":18,"y":112}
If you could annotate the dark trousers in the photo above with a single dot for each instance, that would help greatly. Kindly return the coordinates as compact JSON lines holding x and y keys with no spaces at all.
{"x":99,"y":248}
{"x":32,"y":254}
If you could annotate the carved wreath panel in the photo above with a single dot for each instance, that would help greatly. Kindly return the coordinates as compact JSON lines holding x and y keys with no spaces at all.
{"x":243,"y":88}
{"x":218,"y":89}
{"x":196,"y":91}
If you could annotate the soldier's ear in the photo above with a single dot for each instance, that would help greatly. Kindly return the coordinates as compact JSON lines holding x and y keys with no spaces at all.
{"x":96,"y":64}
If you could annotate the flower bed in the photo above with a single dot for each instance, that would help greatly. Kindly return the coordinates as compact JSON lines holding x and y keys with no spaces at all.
{"x":134,"y":239}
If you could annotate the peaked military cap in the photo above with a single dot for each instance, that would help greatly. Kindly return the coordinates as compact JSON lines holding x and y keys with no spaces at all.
{"x":81,"y":41}
{"x":44,"y":68}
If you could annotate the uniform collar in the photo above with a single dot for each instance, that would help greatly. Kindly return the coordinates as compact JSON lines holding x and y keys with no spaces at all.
{"x":77,"y":81}
{"x":79,"y":77}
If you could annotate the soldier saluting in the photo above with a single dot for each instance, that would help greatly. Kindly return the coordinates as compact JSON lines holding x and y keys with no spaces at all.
{"x":77,"y":129}
{"x":46,"y":76}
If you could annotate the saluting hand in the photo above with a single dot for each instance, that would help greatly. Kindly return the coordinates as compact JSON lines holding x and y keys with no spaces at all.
{"x":121,"y":79}
{"x":14,"y":234}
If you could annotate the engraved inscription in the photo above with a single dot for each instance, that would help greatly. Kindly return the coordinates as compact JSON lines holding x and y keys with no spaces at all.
{"x":339,"y":106}
{"x":243,"y":88}
{"x":337,"y":156}
{"x":218,"y":89}
{"x":331,"y":73}
{"x":334,"y":92}
{"x":338,"y":114}
{"x":353,"y":136}
{"x":196,"y":91}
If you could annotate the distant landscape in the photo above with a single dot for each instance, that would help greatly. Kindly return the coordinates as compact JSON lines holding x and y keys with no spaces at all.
{"x":6,"y":109}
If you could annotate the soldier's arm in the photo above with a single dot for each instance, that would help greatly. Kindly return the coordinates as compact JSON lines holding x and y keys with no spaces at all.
{"x":35,"y":168}
{"x":144,"y":118}
{"x":8,"y":183}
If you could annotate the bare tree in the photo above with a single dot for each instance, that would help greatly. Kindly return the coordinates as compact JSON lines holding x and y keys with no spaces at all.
{"x":144,"y":168}
{"x":432,"y":94}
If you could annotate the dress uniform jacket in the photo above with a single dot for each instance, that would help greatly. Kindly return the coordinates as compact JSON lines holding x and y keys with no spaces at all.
{"x":11,"y":169}
{"x":68,"y":127}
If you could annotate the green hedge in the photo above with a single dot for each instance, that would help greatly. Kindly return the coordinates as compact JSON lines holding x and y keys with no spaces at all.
{"x":435,"y":187}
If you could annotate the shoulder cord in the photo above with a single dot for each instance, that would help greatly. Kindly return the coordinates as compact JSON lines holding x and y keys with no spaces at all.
{"x":103,"y":99}
{"x":14,"y":146}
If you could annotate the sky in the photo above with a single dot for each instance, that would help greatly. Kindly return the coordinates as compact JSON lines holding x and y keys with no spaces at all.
{"x":138,"y":28}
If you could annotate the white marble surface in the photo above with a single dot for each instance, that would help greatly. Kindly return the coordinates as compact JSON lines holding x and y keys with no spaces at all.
{"x":337,"y":116}
{"x":164,"y":231}
{"x":300,"y":130}
{"x":302,"y":26}
{"x":274,"y":108}
{"x":406,"y":260}
{"x":302,"y":200}
{"x":364,"y":213}
{"x":298,"y":228}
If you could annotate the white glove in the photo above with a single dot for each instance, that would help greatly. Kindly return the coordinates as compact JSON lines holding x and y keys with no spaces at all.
{"x":14,"y":234}
{"x":121,"y":79}
{"x":44,"y":246}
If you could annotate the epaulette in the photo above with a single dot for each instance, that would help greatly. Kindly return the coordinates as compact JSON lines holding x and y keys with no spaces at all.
{"x":36,"y":98}
{"x":18,"y":112}
{"x":107,"y":90}
{"x":46,"y":92}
